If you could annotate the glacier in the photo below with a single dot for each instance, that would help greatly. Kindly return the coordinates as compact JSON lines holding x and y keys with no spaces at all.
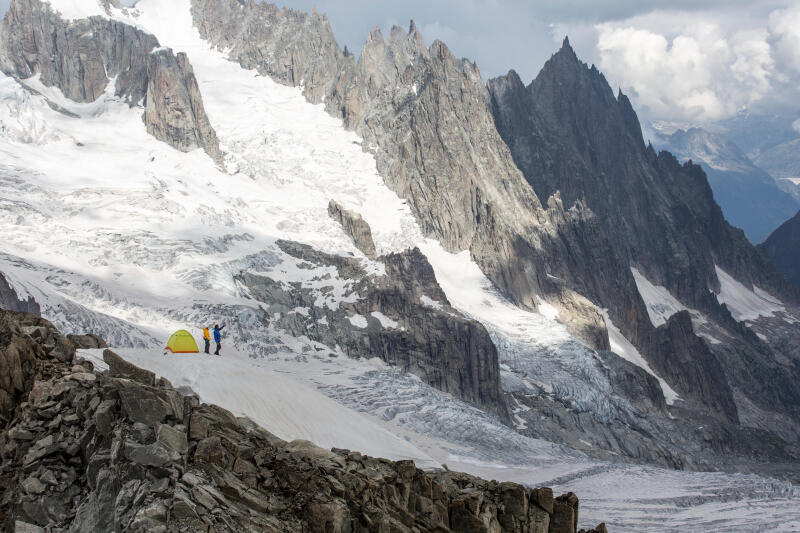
{"x":114,"y":232}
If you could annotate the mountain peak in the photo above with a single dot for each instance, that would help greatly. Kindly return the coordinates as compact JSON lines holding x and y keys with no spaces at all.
{"x":375,"y":34}
{"x":565,"y":56}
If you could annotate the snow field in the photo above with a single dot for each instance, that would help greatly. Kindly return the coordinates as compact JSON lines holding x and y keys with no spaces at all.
{"x":282,"y":405}
{"x":122,"y":233}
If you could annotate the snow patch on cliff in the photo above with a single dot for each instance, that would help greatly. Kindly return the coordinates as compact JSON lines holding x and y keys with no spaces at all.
{"x":623,"y":348}
{"x":660,"y":303}
{"x":744,"y":303}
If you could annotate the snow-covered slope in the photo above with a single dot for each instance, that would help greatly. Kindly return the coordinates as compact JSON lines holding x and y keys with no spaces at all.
{"x":115,"y":232}
{"x":745,"y":303}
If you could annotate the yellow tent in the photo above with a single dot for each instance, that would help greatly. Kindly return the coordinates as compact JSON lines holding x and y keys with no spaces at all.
{"x":182,"y":342}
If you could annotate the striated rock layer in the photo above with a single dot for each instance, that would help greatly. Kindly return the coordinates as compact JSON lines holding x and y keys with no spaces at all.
{"x":174,"y":107}
{"x":124,"y":451}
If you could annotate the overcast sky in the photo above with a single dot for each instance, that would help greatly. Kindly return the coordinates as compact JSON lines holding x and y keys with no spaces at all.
{"x":679,"y":62}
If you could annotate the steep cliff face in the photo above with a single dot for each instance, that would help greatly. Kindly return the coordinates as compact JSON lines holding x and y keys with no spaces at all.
{"x":93,"y":51}
{"x":10,"y":300}
{"x":174,"y":107}
{"x":402,"y":316}
{"x":423,"y":113}
{"x":569,"y":134}
{"x":292,"y":47}
{"x":783,"y":247}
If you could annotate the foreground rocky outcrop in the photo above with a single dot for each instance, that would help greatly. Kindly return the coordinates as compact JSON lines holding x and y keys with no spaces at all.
{"x":402,"y":316}
{"x":122,"y":450}
{"x":93,"y":51}
{"x":24,"y":340}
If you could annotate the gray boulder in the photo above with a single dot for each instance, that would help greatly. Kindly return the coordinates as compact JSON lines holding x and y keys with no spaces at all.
{"x":355,"y":226}
{"x":87,"y":341}
{"x":117,"y":366}
{"x":174,"y":109}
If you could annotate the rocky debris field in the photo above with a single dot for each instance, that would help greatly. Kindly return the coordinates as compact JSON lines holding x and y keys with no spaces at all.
{"x":122,"y":450}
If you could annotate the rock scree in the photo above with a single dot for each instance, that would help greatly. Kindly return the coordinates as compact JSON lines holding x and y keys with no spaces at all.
{"x":120,"y":450}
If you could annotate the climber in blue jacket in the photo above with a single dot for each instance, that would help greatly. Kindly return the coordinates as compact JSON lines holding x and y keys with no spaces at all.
{"x":218,"y":337}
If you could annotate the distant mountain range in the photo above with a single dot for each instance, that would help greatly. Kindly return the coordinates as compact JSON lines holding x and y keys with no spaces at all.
{"x":772,"y":142}
{"x":750,"y":197}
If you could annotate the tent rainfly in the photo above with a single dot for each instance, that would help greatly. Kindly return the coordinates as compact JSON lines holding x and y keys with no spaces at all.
{"x":182,"y":342}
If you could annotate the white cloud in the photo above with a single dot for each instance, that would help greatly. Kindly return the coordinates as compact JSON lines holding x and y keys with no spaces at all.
{"x":700,"y":74}
{"x":698,"y":68}
{"x":784,"y":38}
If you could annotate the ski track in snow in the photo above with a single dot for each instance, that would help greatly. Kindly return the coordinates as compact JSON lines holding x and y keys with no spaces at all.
{"x":138,"y":239}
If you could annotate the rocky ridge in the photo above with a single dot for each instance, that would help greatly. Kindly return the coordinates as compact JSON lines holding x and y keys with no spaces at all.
{"x":783,"y":247}
{"x":402,"y":316}
{"x":96,"y":50}
{"x":750,"y":198}
{"x":570,"y":134}
{"x":423,"y":113}
{"x":454,"y":149}
{"x":122,"y":450}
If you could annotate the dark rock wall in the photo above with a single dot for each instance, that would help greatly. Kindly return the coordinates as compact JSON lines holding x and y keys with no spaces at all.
{"x":783,"y":248}
{"x":684,"y":360}
{"x":571,"y":136}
